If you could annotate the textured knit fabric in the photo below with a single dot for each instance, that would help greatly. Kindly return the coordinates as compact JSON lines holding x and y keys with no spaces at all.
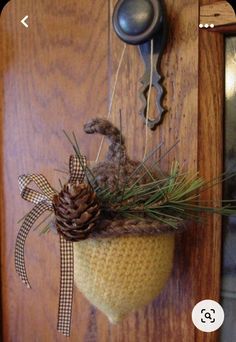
{"x":119,"y":275}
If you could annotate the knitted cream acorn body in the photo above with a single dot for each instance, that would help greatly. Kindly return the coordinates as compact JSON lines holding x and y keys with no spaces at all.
{"x":119,"y":274}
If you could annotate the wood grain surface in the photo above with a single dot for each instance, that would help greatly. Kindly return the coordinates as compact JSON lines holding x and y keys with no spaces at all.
{"x":58,"y":74}
{"x":218,"y":13}
{"x":210,"y":156}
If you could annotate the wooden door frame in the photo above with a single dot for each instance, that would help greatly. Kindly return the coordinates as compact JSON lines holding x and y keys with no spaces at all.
{"x":1,"y":199}
{"x":211,"y":98}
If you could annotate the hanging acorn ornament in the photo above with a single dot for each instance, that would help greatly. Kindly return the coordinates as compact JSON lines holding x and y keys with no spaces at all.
{"x":116,"y":222}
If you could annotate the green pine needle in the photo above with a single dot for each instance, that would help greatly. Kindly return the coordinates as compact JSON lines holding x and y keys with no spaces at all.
{"x":171,"y":200}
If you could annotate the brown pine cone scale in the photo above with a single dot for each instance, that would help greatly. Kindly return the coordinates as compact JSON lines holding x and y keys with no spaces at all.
{"x":77,"y":211}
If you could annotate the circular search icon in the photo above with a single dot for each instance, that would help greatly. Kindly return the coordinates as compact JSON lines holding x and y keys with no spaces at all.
{"x":208,"y":315}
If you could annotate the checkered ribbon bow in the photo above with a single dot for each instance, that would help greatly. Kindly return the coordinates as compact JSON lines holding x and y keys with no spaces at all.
{"x":43,"y":201}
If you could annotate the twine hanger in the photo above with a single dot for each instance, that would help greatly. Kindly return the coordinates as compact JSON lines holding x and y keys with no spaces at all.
{"x":113,"y":95}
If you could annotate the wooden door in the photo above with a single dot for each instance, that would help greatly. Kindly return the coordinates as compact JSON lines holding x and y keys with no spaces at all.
{"x":58,"y":74}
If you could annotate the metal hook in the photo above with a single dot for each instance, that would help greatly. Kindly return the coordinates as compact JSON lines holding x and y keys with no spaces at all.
{"x":136,"y":22}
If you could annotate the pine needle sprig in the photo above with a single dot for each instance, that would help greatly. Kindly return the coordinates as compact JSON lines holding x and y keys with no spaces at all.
{"x":170,"y":199}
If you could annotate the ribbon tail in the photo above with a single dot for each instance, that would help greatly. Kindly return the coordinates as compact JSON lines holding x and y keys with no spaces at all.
{"x":66,"y":286}
{"x":21,"y":238}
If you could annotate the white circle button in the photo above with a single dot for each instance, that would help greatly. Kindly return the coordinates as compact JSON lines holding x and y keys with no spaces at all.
{"x":208,"y":315}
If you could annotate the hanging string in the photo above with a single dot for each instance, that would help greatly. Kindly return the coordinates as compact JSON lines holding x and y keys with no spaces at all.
{"x":148,"y":101}
{"x":112,"y":97}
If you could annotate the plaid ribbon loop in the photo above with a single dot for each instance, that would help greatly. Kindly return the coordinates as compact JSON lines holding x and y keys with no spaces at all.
{"x":32,"y":195}
{"x":43,"y":201}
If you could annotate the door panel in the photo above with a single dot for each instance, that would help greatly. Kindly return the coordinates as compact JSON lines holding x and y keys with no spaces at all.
{"x":57,"y":74}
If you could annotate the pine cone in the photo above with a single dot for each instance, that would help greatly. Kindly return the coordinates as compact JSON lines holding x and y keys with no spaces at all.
{"x":77,"y":210}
